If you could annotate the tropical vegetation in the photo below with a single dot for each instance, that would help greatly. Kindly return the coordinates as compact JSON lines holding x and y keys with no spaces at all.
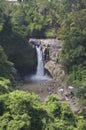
{"x":62,"y":19}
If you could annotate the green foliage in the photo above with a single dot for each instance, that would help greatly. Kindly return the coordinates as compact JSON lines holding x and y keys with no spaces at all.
{"x":78,"y":76}
{"x":15,"y":122}
{"x":74,"y":48}
{"x":21,"y":110}
{"x":82,"y":98}
{"x":7,"y":69}
{"x":3,"y":4}
{"x":73,"y":34}
{"x":14,"y":37}
{"x":53,"y":106}
{"x":26,"y":21}
{"x":5,"y":86}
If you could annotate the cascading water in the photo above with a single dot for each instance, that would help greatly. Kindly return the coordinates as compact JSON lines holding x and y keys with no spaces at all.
{"x":40,"y":67}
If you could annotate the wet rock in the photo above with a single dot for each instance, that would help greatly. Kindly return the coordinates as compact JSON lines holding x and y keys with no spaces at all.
{"x":53,"y":63}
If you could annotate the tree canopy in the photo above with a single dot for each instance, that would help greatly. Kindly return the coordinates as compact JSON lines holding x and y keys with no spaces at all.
{"x":21,"y":110}
{"x":63,"y":19}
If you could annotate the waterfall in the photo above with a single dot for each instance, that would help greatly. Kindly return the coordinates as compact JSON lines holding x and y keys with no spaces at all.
{"x":40,"y":67}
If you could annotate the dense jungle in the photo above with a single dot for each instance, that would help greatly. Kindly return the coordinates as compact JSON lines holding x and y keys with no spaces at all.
{"x":41,"y":19}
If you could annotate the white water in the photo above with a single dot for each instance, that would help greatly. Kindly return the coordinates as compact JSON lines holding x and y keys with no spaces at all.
{"x":40,"y":67}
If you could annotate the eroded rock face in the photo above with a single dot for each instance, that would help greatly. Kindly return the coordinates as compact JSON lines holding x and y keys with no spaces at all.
{"x":53,"y":64}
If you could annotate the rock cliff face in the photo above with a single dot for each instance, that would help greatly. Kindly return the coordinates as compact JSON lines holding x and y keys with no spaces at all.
{"x":53,"y":63}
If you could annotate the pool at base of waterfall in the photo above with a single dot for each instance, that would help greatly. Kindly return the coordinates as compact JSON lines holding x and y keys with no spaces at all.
{"x":34,"y":78}
{"x":42,"y":88}
{"x":40,"y":83}
{"x":38,"y":78}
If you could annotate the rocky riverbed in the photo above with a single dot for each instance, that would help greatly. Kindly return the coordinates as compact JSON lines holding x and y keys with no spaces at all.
{"x":44,"y":88}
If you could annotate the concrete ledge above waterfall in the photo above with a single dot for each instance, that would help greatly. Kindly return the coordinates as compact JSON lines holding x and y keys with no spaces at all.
{"x":46,"y":42}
